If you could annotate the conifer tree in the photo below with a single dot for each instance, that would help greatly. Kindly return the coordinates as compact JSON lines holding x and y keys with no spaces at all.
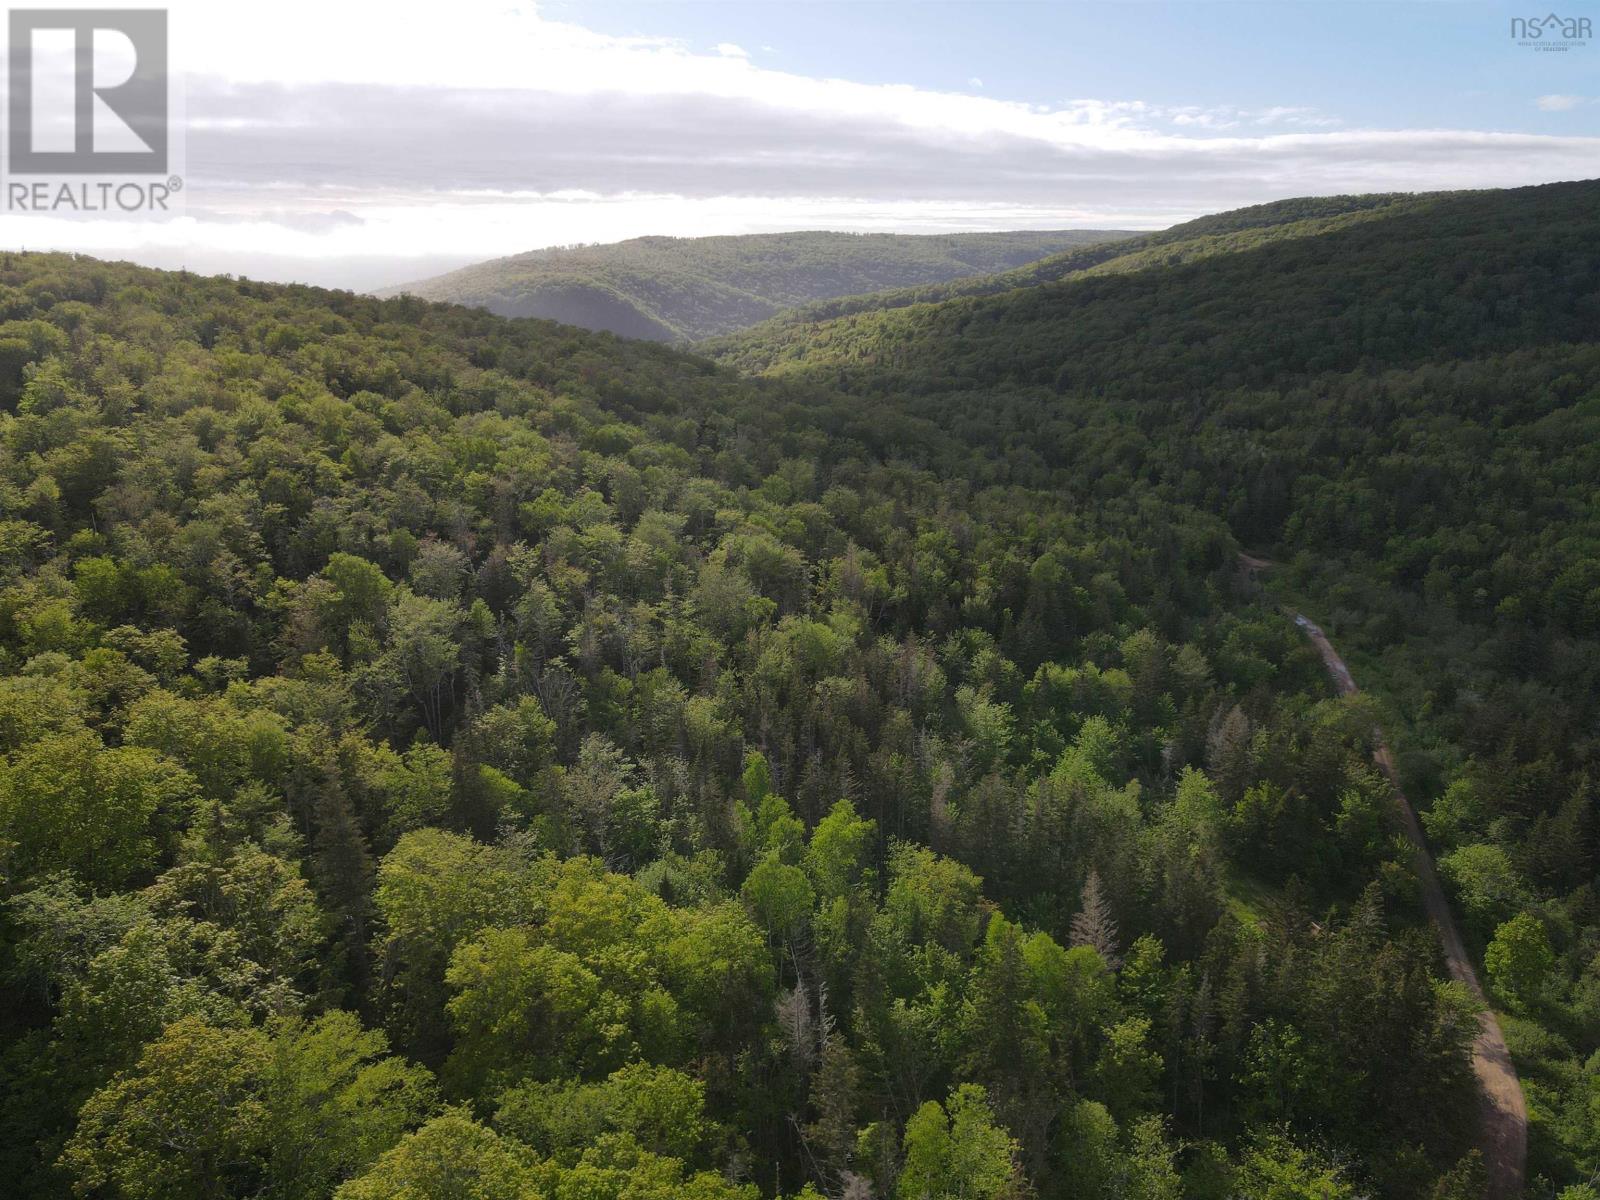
{"x":1094,"y":925}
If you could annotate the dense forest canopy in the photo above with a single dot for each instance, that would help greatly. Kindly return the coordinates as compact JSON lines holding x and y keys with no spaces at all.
{"x":1219,"y":233}
{"x":449,"y":755}
{"x":1399,"y":404}
{"x":681,"y":289}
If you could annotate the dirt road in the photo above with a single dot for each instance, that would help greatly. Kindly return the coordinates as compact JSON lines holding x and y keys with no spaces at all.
{"x":1504,"y":1140}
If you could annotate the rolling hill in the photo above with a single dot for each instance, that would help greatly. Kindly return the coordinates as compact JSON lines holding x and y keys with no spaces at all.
{"x":434,"y":744}
{"x":1205,"y":237}
{"x":684,"y":289}
{"x":1399,"y":402}
{"x":439,"y":747}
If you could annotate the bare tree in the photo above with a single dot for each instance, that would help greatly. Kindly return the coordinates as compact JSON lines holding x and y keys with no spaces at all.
{"x":1094,"y":924}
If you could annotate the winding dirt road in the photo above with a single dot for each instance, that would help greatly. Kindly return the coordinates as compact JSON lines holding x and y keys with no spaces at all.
{"x":1504,"y":1137}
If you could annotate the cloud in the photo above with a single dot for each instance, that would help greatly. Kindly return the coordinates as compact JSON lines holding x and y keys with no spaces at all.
{"x":1292,"y":114}
{"x":501,"y":130}
{"x":1560,"y":103}
{"x":444,"y":142}
{"x":976,"y":81}
{"x":1221,"y":117}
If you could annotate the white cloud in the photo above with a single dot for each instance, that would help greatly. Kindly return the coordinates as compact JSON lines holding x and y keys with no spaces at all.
{"x":975,"y":81}
{"x":366,"y":131}
{"x":1560,"y":103}
{"x":1294,"y":116}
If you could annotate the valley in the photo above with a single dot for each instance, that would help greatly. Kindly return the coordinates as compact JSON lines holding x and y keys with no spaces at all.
{"x":861,"y":753}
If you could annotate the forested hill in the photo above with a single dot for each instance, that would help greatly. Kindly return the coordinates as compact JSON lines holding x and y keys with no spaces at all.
{"x":445,"y":755}
{"x":676,"y":289}
{"x":1219,"y":233}
{"x":1225,"y":344}
{"x":1403,"y":410}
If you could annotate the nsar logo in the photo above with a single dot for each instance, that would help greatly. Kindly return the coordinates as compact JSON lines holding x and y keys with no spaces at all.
{"x":1551,"y":32}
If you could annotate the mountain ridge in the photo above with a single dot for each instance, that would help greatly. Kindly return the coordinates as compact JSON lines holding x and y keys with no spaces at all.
{"x":683,"y":289}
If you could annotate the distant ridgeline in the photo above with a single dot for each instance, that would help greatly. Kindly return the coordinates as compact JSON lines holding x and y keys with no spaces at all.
{"x":683,"y":289}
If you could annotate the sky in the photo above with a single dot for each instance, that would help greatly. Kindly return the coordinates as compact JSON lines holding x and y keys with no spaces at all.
{"x":361,"y":144}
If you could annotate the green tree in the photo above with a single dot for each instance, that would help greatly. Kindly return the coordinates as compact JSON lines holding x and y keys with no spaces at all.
{"x":931,"y":898}
{"x":212,"y":1111}
{"x":360,"y":595}
{"x":452,"y":1157}
{"x":190,"y":1121}
{"x":1127,"y":1073}
{"x":521,"y":1008}
{"x":436,"y":890}
{"x":662,"y":1109}
{"x":1152,"y":1170}
{"x":838,"y":851}
{"x":1520,"y":961}
{"x":423,"y":651}
{"x":1275,"y":1168}
{"x":261,"y":898}
{"x":1279,"y":1073}
{"x":779,"y":897}
{"x":1086,"y":1158}
{"x":1005,"y":1035}
{"x":336,"y":1100}
{"x":1486,"y":882}
{"x":955,"y":1151}
{"x":67,"y":802}
{"x":718,"y":968}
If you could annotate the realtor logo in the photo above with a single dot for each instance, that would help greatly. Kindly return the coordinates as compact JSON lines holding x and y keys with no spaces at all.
{"x":88,"y":92}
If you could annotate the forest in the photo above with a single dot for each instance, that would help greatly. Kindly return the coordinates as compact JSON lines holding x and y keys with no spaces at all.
{"x":1399,"y":408}
{"x":454,"y":756}
{"x":1107,"y":254}
{"x":669,"y":289}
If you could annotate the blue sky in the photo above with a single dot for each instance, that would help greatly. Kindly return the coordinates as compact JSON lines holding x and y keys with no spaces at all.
{"x":369,"y":142}
{"x":1387,"y":65}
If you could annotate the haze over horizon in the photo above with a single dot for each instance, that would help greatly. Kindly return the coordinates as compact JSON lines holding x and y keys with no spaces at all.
{"x":553,"y":124}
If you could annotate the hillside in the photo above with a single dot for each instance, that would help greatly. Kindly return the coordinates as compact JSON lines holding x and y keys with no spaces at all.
{"x":677,"y":289}
{"x":1402,"y":406}
{"x":1191,"y":241}
{"x":435,"y":748}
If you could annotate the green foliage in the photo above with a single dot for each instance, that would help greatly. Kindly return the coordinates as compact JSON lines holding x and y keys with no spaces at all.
{"x":213,"y":1111}
{"x":932,"y":899}
{"x":452,"y":1157}
{"x":521,"y":1008}
{"x":839,"y":851}
{"x":503,"y":684}
{"x":956,"y":1150}
{"x":1277,"y":1169}
{"x":685,"y":288}
{"x":778,"y":895}
{"x":1486,"y":884}
{"x":67,"y":802}
{"x":1520,"y":960}
{"x":662,"y":1109}
{"x":191,"y":1121}
{"x":336,"y":1101}
{"x":1128,"y":1071}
